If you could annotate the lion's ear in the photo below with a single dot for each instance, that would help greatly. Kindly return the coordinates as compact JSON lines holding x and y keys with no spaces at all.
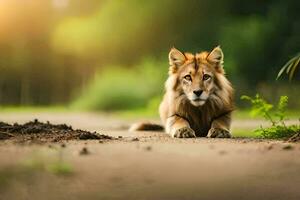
{"x":216,"y":56}
{"x":176,"y":58}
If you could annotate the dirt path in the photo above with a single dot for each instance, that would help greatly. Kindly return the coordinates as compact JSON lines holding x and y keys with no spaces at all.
{"x":145,"y":165}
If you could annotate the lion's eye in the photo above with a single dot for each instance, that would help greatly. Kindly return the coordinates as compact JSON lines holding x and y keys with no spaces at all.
{"x":206,"y":77}
{"x":188,"y":77}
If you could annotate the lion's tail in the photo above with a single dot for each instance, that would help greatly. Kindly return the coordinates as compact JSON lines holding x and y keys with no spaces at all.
{"x":146,"y":126}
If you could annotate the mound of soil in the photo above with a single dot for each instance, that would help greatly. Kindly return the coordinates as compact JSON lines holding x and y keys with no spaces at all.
{"x":46,"y":132}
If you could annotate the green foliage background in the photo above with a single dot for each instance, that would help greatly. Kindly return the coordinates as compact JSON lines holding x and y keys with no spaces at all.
{"x":112,"y":54}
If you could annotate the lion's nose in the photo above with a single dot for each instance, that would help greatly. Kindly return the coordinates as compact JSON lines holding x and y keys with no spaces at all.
{"x":197,"y":92}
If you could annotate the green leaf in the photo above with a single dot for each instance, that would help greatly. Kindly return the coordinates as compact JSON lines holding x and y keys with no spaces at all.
{"x":245,"y":97}
{"x":282,"y":103}
{"x":284,"y":68}
{"x":290,"y":67}
{"x":295,"y":64}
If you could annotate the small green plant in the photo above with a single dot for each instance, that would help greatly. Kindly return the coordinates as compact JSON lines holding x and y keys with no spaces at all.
{"x":56,"y":165}
{"x":276,"y":115}
{"x":60,"y":168}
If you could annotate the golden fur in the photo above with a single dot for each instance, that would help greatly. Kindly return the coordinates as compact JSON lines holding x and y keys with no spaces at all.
{"x":198,"y":99}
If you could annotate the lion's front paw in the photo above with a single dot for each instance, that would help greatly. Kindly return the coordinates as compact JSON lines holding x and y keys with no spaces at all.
{"x":218,"y":133}
{"x":185,"y":132}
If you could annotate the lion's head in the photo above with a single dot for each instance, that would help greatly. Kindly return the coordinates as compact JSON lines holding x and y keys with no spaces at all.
{"x":199,"y":76}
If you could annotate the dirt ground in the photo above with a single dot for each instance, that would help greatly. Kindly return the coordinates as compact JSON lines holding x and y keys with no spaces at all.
{"x":144,"y":165}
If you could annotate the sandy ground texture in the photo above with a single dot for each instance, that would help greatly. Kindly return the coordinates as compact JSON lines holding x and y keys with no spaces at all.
{"x":145,"y":165}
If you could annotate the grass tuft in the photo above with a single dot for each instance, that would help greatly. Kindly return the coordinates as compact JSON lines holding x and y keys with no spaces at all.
{"x":276,"y":115}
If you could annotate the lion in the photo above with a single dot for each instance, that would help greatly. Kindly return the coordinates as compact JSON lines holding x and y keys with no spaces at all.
{"x":198,"y":99}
